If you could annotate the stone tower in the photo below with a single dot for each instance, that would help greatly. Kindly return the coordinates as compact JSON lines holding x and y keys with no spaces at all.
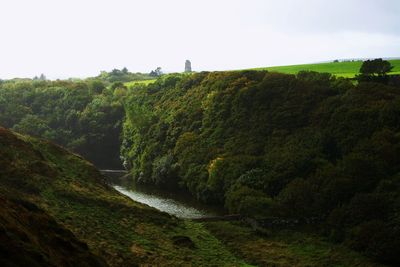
{"x":188,"y":66}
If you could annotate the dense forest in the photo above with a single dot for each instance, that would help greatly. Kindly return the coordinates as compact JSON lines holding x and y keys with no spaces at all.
{"x":83,"y":116}
{"x":309,"y":147}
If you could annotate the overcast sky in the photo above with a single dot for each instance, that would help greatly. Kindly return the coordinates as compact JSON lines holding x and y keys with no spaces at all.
{"x":79,"y":38}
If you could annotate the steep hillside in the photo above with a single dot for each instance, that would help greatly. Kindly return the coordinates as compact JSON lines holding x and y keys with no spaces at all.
{"x":56,"y":210}
{"x":30,"y":237}
{"x":309,"y":147}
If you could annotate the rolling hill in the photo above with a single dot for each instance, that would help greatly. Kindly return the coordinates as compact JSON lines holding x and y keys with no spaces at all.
{"x":347,"y":69}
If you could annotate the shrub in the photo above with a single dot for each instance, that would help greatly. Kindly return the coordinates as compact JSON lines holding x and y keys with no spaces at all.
{"x":248,"y":201}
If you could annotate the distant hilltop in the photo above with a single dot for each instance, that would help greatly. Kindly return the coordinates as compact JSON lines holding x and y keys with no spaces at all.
{"x":355,"y":59}
{"x":347,"y":68}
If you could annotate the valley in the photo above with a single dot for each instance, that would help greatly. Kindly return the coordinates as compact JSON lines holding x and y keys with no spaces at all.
{"x":307,"y":163}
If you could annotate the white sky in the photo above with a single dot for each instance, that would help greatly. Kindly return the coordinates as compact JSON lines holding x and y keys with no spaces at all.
{"x":79,"y":38}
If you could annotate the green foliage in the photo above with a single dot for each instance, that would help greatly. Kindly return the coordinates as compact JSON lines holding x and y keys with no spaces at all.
{"x":375,"y":70}
{"x":33,"y":125}
{"x":96,"y":87}
{"x":376,"y":67}
{"x":123,"y":75}
{"x":248,"y":201}
{"x":82,"y":116}
{"x":223,"y":172}
{"x":297,"y":199}
{"x":164,"y":171}
{"x":156,"y":73}
{"x":253,"y":178}
{"x":310,"y":146}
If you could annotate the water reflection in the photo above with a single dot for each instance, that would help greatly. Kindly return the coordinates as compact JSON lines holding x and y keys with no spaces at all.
{"x":168,"y":205}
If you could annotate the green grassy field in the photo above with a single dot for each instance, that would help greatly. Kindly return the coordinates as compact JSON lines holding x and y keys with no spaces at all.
{"x":342,"y":69}
{"x":142,"y":82}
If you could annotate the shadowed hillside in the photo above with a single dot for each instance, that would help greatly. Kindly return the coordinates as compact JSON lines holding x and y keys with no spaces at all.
{"x":30,"y":237}
{"x":56,"y":210}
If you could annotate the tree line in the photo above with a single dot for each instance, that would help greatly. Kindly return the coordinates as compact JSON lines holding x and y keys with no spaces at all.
{"x":84,"y":116}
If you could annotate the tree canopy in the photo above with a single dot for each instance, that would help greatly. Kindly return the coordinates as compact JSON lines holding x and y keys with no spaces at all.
{"x":306,"y":147}
{"x":84,"y":116}
{"x":375,"y":67}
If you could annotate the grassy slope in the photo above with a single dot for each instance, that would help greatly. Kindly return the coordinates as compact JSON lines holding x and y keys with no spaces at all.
{"x":343,"y":69}
{"x":30,"y":237}
{"x":70,"y":190}
{"x":284,"y":247}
